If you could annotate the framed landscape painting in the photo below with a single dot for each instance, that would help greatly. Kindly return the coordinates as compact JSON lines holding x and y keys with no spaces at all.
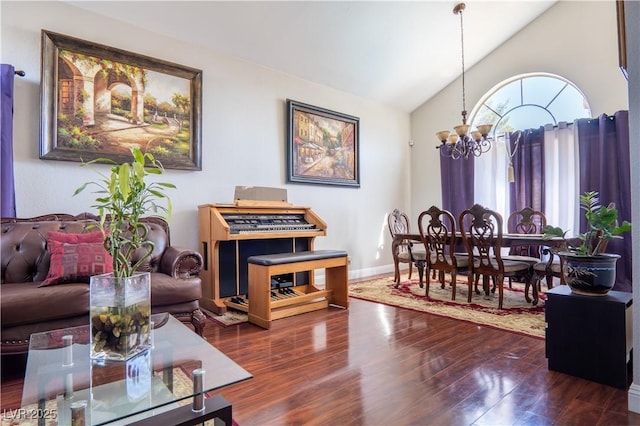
{"x":322,"y":146}
{"x":98,"y":101}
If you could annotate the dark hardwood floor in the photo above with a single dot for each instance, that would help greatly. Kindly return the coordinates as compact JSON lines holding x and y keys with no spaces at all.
{"x":378,"y":365}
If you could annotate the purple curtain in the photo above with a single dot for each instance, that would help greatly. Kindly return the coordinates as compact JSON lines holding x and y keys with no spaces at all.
{"x":603,"y":144}
{"x":456,"y":177}
{"x":528,"y":164}
{"x":7,"y":187}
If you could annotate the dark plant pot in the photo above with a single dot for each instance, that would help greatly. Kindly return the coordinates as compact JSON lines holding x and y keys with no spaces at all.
{"x":590,"y":275}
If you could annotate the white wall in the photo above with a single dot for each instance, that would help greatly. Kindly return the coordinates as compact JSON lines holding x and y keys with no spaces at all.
{"x":243,"y":136}
{"x":574,"y":39}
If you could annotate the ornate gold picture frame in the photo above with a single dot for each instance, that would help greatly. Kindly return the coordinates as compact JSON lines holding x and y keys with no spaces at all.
{"x":97,"y":101}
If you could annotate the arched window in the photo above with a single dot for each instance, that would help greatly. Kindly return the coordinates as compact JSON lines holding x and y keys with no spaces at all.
{"x":529,"y":101}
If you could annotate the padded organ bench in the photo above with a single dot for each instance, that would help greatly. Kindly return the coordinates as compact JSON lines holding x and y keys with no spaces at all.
{"x":307,"y":298}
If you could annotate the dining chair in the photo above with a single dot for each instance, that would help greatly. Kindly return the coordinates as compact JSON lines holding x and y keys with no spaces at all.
{"x":546,"y":269}
{"x":438,"y":233}
{"x":525,"y":221}
{"x":482,"y":234}
{"x":551,"y":267}
{"x":403,"y":251}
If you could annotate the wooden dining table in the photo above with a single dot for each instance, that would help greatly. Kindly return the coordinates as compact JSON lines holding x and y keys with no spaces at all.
{"x":508,"y":240}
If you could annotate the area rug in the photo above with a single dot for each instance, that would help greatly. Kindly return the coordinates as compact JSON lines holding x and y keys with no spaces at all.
{"x":516,"y":316}
{"x":231,"y":317}
{"x":182,"y":386}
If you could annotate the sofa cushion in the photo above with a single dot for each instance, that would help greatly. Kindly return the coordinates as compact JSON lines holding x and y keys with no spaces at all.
{"x":27,"y":303}
{"x":72,"y":238}
{"x":76,"y":257}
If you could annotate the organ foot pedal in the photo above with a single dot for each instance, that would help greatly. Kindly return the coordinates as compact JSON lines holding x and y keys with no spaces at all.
{"x":239,"y":303}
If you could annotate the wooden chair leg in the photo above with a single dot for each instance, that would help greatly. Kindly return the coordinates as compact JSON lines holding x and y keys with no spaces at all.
{"x":453,"y":285}
{"x":427,"y":284}
{"x":549,"y":282}
{"x":420,"y":266}
{"x":528,"y":284}
{"x":500,"y":280}
{"x":477,"y":279}
{"x":485,"y":284}
{"x":535,"y":291}
{"x":427,"y":279}
{"x":396,"y":275}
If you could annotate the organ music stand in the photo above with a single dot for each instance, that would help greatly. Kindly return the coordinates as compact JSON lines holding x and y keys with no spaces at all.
{"x":260,"y":195}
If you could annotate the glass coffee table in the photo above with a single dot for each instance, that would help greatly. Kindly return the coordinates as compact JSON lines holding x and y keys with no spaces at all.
{"x":170,"y":380}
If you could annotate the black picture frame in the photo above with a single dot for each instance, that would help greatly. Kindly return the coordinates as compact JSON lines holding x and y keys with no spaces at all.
{"x":97,"y":100}
{"x":322,"y":146}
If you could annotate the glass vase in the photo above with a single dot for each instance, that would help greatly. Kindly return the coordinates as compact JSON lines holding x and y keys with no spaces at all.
{"x":120,"y":309}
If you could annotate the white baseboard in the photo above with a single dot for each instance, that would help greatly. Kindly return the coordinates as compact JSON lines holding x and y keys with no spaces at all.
{"x":370,"y":272}
{"x":634,"y":398}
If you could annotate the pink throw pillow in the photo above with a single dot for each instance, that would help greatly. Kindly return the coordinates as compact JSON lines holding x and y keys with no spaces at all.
{"x":76,"y":257}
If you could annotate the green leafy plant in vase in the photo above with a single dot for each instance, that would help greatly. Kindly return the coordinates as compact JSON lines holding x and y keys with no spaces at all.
{"x":587,"y":268}
{"x":121,"y":301}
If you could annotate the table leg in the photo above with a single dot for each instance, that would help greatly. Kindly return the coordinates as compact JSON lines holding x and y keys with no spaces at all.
{"x":534,"y":284}
{"x":198,"y":394}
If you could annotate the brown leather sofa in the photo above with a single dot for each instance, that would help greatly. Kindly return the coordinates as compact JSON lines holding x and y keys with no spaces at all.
{"x":26,"y":308}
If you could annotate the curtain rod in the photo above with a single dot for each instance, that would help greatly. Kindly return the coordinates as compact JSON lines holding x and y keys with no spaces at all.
{"x":20,"y":73}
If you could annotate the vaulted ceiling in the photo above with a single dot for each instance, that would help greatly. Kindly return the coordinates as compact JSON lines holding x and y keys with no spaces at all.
{"x":394,"y":52}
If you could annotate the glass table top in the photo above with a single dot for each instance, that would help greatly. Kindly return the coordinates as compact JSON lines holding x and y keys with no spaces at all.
{"x":60,"y":375}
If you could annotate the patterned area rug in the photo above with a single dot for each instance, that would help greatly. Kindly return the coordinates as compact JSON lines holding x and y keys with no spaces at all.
{"x":228,"y":318}
{"x":517,"y":315}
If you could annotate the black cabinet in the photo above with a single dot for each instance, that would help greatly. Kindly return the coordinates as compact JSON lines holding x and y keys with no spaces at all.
{"x":590,"y":336}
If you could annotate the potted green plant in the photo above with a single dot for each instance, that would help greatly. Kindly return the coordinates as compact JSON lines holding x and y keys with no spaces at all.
{"x":120,"y":305}
{"x":587,"y":268}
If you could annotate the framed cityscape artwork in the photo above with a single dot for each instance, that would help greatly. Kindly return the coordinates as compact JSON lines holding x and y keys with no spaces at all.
{"x":98,"y":101}
{"x":322,"y":146}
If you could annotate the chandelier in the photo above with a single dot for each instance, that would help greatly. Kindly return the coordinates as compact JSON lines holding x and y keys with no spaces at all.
{"x":460,"y":144}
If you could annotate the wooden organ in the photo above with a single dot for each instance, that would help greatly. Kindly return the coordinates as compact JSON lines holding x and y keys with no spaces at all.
{"x":230,"y":233}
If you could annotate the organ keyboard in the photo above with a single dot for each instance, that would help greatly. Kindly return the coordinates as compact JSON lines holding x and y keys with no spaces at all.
{"x":253,"y":223}
{"x":230,"y":233}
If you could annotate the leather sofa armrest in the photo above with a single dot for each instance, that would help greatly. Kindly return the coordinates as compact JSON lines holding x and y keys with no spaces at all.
{"x":180,"y":262}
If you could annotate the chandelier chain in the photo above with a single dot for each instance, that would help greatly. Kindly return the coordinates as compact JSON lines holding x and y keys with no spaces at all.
{"x":461,"y":143}
{"x":464,"y":101}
